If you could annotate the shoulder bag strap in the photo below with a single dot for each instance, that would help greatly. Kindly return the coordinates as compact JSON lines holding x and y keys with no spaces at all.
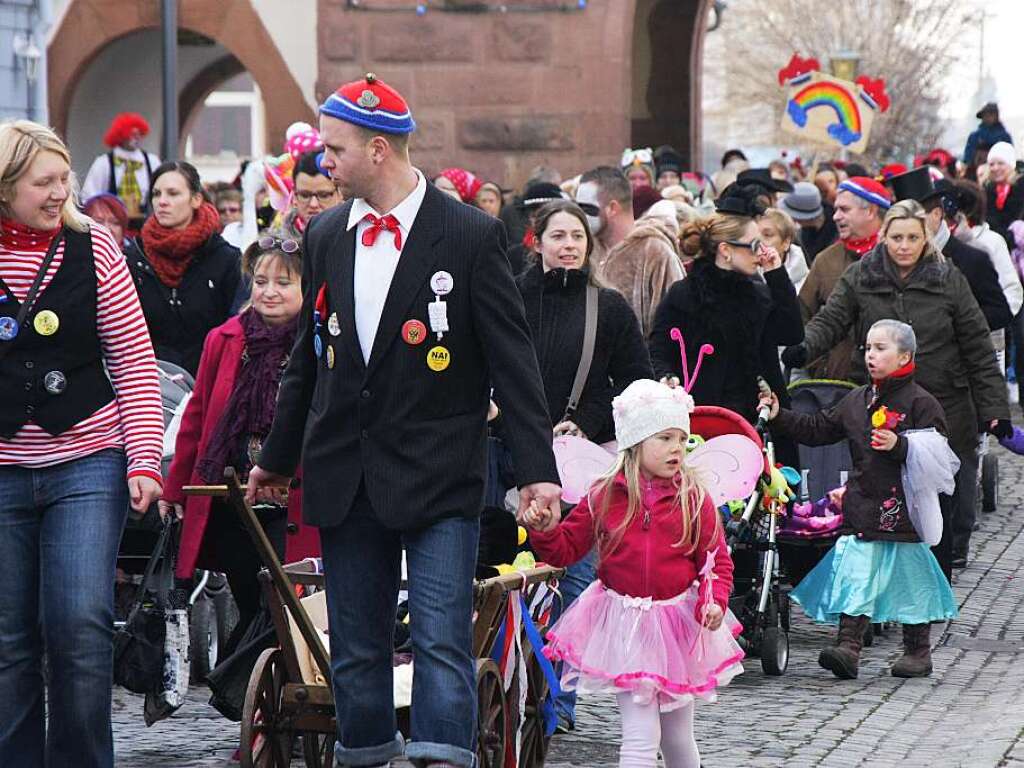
{"x":589,"y":339}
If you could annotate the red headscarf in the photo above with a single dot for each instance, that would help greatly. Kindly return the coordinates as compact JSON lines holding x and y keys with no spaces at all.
{"x":465,"y":182}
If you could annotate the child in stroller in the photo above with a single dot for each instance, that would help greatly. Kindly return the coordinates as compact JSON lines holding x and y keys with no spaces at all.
{"x":880,"y":569}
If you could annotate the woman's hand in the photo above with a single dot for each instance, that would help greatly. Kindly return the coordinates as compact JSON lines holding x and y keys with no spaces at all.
{"x":771,"y":400}
{"x":168,"y":508}
{"x":568,"y":428}
{"x":768,"y":258}
{"x":670,"y":381}
{"x":143,"y":491}
{"x":713,"y":615}
{"x":883,"y":439}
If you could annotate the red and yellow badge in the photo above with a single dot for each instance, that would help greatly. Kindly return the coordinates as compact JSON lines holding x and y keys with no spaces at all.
{"x":883,"y":418}
{"x":413,"y":332}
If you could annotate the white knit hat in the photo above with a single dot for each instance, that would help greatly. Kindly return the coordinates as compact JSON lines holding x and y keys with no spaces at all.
{"x":1003,"y":150}
{"x":646,"y":408}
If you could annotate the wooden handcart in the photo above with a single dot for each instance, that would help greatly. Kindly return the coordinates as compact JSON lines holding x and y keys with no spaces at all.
{"x":289,"y":693}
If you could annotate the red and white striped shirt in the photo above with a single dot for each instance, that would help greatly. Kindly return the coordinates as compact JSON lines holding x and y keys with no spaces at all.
{"x":133,"y":420}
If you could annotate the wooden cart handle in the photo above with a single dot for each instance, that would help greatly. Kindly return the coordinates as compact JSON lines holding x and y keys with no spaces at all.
{"x":205,"y":490}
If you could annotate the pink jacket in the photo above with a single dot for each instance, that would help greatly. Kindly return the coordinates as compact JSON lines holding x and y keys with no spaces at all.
{"x":215,"y":381}
{"x":644,"y":564}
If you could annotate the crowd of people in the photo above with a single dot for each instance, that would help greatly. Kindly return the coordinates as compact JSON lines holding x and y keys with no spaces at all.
{"x":387,"y":327}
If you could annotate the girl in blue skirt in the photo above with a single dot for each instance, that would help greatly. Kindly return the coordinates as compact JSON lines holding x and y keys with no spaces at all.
{"x":879,"y":569}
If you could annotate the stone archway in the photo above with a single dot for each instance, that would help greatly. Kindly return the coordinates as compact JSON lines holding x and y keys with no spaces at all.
{"x":89,"y":26}
{"x":194,"y":93}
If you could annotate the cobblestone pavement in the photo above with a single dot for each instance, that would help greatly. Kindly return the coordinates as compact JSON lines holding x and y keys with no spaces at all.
{"x":970,"y":713}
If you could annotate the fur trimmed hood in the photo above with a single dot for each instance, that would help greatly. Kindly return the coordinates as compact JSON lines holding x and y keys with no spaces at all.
{"x":932,"y":273}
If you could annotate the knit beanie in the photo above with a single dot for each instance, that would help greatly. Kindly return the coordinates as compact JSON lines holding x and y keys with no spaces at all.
{"x":868,"y":189}
{"x":647,"y":407}
{"x":1003,"y":150}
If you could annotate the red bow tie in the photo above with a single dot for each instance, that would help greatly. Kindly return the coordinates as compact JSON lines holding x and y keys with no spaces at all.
{"x":378,"y":225}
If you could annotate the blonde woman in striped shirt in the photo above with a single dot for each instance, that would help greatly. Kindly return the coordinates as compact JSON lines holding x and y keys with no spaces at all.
{"x":80,"y":441}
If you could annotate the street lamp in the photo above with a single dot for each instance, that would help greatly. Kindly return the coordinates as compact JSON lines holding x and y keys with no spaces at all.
{"x":844,"y":65}
{"x":28,"y":53}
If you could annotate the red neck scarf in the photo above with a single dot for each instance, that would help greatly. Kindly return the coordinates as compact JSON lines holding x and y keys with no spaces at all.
{"x":861,"y":245}
{"x":170,"y":251}
{"x":15,"y":236}
{"x":1002,"y":192}
{"x":899,"y":373}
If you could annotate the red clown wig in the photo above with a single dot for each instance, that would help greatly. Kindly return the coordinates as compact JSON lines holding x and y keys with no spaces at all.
{"x":121,"y":128}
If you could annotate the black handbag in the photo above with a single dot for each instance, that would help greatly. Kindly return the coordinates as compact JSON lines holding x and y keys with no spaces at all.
{"x":139,"y":644}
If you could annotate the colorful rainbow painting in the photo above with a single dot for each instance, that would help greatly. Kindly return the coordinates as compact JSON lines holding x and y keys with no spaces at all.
{"x":826,"y":94}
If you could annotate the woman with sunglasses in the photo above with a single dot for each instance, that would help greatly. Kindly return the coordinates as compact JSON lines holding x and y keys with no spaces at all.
{"x":224,"y":423}
{"x":724,"y":303}
{"x":186,"y":274}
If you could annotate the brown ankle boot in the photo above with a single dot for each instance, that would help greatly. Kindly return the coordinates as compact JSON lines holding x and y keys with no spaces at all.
{"x":916,"y":660}
{"x":843,"y":659}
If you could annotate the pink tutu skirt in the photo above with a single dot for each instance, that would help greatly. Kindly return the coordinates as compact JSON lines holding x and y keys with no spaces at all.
{"x":611,"y":643}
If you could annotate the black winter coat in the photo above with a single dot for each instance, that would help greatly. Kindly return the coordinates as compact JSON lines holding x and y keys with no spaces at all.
{"x":179,"y":318}
{"x":555,"y":304}
{"x":744,"y":319}
{"x":875,"y":506}
{"x":814,"y":241}
{"x":983,"y":279}
{"x":1013,"y":209}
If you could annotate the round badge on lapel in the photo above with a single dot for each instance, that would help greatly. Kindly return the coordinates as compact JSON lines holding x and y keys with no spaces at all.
{"x":318,"y":346}
{"x":441,"y":283}
{"x":413,"y":332}
{"x":438,"y":358}
{"x":46,"y":323}
{"x":8,"y":328}
{"x":55,"y":382}
{"x":330,"y":356}
{"x":333,"y":326}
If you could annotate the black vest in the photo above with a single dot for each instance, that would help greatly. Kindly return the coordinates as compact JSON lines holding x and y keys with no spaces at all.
{"x":31,"y":370}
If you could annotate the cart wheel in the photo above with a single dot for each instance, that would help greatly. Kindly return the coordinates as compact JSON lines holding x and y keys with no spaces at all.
{"x":534,"y":742}
{"x":318,"y":749}
{"x":989,"y":482}
{"x":774,"y":651}
{"x":490,"y":746}
{"x":265,"y":743}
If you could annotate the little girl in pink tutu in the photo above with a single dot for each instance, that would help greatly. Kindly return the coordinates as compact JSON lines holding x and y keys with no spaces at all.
{"x":654,"y":628}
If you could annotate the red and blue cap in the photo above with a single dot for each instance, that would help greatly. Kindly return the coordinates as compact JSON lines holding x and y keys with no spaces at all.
{"x":370,"y":103}
{"x":868,"y":189}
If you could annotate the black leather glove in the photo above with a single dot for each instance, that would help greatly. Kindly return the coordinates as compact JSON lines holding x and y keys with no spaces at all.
{"x":1003,"y":428}
{"x":795,"y":356}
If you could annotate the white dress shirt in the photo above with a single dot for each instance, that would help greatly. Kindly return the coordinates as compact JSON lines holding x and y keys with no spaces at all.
{"x":97,"y":180}
{"x":375,"y":264}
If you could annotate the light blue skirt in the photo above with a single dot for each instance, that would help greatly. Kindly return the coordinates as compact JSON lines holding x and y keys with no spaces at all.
{"x":886,"y":580}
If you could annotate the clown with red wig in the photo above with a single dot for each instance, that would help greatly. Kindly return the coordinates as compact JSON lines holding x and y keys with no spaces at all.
{"x":126,"y":170}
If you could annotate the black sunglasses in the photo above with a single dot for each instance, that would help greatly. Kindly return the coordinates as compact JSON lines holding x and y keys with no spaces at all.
{"x":286,"y":246}
{"x":754,"y":245}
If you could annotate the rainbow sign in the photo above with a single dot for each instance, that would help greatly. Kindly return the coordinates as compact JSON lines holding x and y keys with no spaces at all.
{"x":829,"y":95}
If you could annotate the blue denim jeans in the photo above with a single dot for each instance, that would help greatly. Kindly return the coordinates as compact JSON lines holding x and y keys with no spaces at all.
{"x":578,"y":577}
{"x":60,"y":528}
{"x":362,"y":564}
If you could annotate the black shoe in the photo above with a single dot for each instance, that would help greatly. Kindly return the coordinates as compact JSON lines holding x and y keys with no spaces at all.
{"x":959,"y":560}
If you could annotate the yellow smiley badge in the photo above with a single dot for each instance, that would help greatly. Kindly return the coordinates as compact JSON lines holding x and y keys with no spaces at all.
{"x":438,"y":358}
{"x":46,"y":323}
{"x":330,"y":356}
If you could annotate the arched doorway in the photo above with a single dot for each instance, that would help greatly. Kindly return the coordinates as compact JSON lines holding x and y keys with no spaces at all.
{"x":668,"y":39}
{"x":118,"y":38}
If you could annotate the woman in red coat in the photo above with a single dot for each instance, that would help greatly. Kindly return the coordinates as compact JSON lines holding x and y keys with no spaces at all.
{"x":224,"y":424}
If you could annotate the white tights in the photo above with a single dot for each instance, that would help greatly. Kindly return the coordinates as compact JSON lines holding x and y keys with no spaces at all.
{"x":645,"y":728}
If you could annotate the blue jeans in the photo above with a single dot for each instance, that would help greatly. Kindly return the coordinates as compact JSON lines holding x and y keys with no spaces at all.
{"x":362,"y":564}
{"x":60,"y":528}
{"x":578,"y":577}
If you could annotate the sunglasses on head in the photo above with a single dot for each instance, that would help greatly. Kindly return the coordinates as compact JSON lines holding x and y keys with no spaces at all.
{"x":286,"y":245}
{"x":754,"y":245}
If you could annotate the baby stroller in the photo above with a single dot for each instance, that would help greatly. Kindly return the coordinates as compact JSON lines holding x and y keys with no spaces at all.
{"x":212,"y":610}
{"x":758,"y":601}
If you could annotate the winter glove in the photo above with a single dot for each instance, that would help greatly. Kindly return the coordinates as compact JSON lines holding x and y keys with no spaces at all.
{"x":795,"y":356}
{"x":1003,"y":429}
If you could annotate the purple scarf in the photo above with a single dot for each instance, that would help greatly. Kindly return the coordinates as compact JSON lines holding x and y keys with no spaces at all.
{"x":250,"y":410}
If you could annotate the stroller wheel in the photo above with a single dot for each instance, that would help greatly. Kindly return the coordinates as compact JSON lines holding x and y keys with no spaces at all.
{"x":774,"y":651}
{"x":989,"y":482}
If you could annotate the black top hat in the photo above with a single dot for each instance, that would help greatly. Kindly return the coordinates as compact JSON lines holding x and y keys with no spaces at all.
{"x":763,"y":177}
{"x":540,"y":193}
{"x":989,"y":108}
{"x":740,"y":200}
{"x":913,"y":185}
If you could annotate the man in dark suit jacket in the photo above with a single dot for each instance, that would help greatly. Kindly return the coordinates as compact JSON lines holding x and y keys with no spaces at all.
{"x":408,"y":317}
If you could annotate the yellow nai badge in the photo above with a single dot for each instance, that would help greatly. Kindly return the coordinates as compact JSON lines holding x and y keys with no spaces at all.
{"x":438,"y":358}
{"x":330,"y":356}
{"x":46,"y":323}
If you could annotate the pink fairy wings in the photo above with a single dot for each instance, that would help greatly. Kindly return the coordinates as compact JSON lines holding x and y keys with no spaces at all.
{"x":705,"y":349}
